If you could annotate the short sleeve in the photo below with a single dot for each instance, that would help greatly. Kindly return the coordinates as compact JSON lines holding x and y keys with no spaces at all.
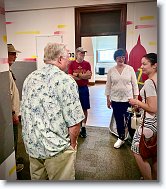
{"x":72,"y":109}
{"x":150,"y":88}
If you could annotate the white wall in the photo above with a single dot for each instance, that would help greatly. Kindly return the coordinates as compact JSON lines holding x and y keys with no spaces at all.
{"x":88,"y":45}
{"x":144,"y":17}
{"x":4,"y":66}
{"x":141,"y":33}
{"x":24,"y":26}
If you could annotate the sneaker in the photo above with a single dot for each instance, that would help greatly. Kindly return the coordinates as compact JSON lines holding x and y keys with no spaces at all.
{"x":19,"y":167}
{"x":83,"y":132}
{"x":119,"y":143}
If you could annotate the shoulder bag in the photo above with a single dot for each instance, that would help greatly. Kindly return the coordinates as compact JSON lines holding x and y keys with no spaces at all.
{"x":148,"y":147}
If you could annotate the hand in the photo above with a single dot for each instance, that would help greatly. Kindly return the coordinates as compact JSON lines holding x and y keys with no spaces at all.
{"x":15,"y":119}
{"x":74,"y":146}
{"x":109,"y":104}
{"x":85,"y":75}
{"x":133,"y":102}
{"x":75,"y":74}
{"x":88,"y":73}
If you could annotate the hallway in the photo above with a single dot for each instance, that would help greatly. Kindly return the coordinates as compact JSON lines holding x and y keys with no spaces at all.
{"x":98,"y":115}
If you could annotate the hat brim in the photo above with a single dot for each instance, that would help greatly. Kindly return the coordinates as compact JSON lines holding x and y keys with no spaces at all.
{"x":16,"y":51}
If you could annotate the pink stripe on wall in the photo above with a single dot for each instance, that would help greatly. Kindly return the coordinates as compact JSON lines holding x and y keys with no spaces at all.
{"x":129,"y":22}
{"x":3,"y":60}
{"x":144,"y":26}
{"x":8,"y":22}
{"x":58,"y":32}
{"x":29,"y":59}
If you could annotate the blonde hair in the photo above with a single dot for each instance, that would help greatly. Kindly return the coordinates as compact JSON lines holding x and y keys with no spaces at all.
{"x":53,"y":51}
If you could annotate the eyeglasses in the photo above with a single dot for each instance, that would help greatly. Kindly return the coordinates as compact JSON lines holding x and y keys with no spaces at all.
{"x":120,"y":57}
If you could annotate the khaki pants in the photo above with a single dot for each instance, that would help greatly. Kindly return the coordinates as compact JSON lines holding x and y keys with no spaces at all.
{"x":60,"y":167}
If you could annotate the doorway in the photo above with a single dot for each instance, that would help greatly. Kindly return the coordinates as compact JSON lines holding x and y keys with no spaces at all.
{"x":93,"y":21}
{"x":100,"y":50}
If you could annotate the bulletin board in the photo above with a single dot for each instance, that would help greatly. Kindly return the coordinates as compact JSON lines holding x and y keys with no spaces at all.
{"x":41,"y":42}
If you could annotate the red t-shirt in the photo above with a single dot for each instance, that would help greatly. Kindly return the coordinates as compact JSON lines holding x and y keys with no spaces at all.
{"x":75,"y":67}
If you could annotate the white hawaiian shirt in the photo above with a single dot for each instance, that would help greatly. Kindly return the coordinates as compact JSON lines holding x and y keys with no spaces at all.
{"x":50,"y":104}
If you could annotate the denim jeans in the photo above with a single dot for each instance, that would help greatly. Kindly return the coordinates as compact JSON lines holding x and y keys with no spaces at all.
{"x":122,"y":118}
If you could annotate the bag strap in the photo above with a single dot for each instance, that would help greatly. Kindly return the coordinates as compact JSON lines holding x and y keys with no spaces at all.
{"x":144,"y":113}
{"x":145,"y":102}
{"x":154,"y":85}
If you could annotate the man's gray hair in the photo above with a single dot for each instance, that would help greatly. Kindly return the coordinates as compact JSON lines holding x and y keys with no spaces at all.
{"x":53,"y":51}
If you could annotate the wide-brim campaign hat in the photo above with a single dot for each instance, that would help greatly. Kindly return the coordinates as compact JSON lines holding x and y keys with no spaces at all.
{"x":80,"y":49}
{"x":12,"y":49}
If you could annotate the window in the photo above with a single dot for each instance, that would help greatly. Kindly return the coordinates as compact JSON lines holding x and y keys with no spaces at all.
{"x":105,"y":56}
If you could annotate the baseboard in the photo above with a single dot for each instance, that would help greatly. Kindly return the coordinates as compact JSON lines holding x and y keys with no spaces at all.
{"x":96,"y":82}
{"x":91,"y":83}
{"x":100,"y":82}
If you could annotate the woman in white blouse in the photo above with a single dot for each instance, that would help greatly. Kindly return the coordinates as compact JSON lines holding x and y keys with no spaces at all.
{"x":121,"y":85}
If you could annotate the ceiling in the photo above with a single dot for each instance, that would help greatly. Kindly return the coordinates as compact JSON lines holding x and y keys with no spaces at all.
{"x":17,"y":5}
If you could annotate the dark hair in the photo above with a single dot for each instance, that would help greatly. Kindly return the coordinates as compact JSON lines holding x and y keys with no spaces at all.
{"x":119,"y":52}
{"x":152,"y":57}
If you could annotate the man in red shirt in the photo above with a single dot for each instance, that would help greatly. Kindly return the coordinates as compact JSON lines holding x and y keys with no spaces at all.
{"x":80,"y":70}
